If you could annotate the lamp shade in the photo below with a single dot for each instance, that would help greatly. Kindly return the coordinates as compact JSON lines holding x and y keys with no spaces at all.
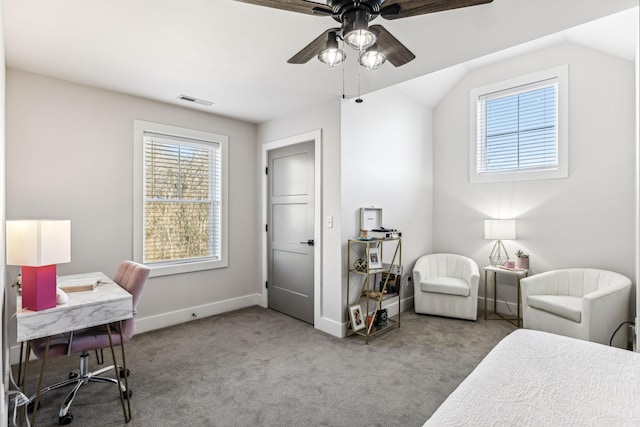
{"x":36,"y":243}
{"x":499,"y":229}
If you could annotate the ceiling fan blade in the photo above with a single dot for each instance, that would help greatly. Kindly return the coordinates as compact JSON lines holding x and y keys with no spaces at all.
{"x":312,"y":49}
{"x":405,"y":8}
{"x":300,"y":6}
{"x":396,"y":52}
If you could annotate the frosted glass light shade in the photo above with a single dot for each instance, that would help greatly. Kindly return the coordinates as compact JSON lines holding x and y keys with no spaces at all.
{"x":360,"y":39}
{"x":372,"y":59}
{"x":332,"y":56}
{"x":36,"y":243}
{"x":355,"y":29}
{"x":499,"y":229}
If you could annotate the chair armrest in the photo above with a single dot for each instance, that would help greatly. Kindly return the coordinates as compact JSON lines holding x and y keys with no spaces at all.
{"x":417,"y":278}
{"x":613,"y":298}
{"x":536,"y":285}
{"x":472,"y":275}
{"x":420,"y":270}
{"x":608,"y":291}
{"x":606,"y":308}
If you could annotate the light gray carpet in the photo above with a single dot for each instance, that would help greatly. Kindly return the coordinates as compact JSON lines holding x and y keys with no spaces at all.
{"x":257,"y":367}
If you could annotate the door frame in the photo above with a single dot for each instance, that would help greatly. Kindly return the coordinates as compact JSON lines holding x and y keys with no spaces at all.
{"x":316,"y":137}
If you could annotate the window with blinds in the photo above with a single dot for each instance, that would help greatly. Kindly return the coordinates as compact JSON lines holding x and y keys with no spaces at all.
{"x":182,"y":199}
{"x":519,"y":128}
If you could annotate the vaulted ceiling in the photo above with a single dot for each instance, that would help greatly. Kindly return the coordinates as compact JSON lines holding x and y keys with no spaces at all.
{"x":235,"y":54}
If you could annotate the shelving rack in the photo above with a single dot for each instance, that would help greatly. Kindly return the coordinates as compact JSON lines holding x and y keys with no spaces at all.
{"x":373,"y":299}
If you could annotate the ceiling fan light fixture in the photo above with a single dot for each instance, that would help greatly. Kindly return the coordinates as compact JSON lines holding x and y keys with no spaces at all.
{"x":360,"y":39}
{"x":332,"y":56}
{"x":356,"y":32}
{"x":372,"y":59}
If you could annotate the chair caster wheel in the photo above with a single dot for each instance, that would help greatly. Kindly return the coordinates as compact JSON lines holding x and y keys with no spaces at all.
{"x":127,"y":394}
{"x":73,"y":375}
{"x":122,"y":373}
{"x":65,"y":420}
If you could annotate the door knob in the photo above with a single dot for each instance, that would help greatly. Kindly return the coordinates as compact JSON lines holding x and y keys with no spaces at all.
{"x":308,"y":242}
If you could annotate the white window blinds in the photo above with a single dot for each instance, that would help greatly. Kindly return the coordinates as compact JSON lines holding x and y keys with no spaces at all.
{"x":517,"y":129}
{"x":182,"y":199}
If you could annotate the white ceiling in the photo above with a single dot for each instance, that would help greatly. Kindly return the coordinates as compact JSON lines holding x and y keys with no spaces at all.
{"x":615,"y":34}
{"x":235,"y":54}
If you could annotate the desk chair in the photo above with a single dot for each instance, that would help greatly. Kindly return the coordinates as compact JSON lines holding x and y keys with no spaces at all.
{"x":130,"y":276}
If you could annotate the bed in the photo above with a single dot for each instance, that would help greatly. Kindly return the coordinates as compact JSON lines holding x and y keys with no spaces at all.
{"x":534,"y":378}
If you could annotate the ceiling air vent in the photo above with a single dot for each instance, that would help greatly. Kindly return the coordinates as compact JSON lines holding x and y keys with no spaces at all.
{"x":195,"y":100}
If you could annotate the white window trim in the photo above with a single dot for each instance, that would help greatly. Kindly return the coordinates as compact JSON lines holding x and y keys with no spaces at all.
{"x":160,"y":269}
{"x":562,"y":74}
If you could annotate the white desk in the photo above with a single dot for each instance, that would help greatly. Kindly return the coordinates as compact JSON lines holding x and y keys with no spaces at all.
{"x":107,"y":303}
{"x":495,"y":270}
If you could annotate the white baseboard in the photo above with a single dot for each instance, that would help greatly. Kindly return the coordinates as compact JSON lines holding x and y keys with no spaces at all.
{"x":392,"y":305}
{"x":329,"y":326}
{"x":151,"y":323}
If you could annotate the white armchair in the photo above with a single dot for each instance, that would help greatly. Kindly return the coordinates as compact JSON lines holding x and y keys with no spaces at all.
{"x":582,"y":303}
{"x":446,"y":285}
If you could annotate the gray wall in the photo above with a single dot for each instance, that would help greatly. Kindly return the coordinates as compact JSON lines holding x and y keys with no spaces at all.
{"x":387,"y":162}
{"x":69,"y":156}
{"x":586,"y":220}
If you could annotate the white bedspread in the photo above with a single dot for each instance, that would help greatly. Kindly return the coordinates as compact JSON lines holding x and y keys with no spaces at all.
{"x":534,"y":378}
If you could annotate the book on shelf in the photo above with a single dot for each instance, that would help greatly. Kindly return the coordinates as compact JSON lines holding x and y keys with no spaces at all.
{"x":78,"y":285}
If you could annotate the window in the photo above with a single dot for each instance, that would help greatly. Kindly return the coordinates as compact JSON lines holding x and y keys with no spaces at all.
{"x":519,"y":128}
{"x":180,"y":198}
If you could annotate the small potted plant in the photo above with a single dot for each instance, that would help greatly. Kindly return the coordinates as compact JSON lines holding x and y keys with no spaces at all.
{"x":523,"y":260}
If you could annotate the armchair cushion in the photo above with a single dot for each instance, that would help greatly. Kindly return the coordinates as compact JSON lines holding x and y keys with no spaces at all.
{"x":445,"y":285}
{"x":567,"y":307}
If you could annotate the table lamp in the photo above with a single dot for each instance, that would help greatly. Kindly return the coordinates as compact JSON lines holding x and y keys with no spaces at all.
{"x":37,"y":246}
{"x":499,"y":230}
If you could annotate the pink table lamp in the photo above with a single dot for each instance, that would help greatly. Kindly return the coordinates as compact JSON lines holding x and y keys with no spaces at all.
{"x":37,"y":246}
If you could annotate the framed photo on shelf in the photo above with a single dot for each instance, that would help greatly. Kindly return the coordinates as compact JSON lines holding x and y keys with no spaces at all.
{"x":374,"y":259}
{"x":357,"y":320}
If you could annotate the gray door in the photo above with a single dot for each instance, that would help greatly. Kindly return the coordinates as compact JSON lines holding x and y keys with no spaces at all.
{"x":290,"y":230}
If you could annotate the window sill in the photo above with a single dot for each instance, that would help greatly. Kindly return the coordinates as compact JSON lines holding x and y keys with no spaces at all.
{"x":160,"y":269}
{"x":519,"y":176}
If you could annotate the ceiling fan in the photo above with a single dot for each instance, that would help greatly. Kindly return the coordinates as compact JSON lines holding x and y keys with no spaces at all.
{"x":374,"y":43}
